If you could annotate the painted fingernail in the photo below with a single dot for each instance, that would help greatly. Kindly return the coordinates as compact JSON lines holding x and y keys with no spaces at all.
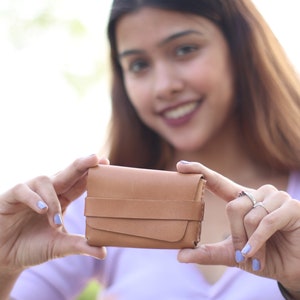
{"x":58,"y":219}
{"x":184,"y":162}
{"x":239,"y":257}
{"x":41,"y":205}
{"x":255,"y":264}
{"x":246,"y":249}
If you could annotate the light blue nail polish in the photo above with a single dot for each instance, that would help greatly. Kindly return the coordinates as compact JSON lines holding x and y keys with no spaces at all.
{"x":41,"y":205}
{"x":58,"y":219}
{"x":246,"y":249}
{"x":255,"y":264}
{"x":239,"y":256}
{"x":184,"y":162}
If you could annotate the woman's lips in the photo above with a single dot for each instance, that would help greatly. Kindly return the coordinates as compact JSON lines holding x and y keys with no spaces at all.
{"x":181,"y":114}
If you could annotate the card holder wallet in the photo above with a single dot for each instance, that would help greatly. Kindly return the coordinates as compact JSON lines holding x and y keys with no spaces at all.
{"x":143,"y":208}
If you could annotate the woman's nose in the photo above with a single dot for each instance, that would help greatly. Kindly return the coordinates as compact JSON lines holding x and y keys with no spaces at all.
{"x":167,"y":82}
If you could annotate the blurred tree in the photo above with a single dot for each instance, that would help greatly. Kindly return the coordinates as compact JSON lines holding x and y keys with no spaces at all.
{"x":29,"y":22}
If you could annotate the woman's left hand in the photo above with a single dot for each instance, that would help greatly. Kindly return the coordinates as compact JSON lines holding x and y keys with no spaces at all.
{"x":32,"y":234}
{"x":265,"y":239}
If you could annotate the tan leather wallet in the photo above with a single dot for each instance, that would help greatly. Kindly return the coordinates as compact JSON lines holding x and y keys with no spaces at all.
{"x":141,"y":208}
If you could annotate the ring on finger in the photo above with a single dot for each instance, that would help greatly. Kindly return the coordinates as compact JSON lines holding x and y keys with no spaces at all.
{"x":249,"y":195}
{"x":261,"y":204}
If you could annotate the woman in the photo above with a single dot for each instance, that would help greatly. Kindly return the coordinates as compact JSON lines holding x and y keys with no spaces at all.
{"x":195,"y":80}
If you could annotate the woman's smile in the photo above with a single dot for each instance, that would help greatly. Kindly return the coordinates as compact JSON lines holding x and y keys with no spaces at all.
{"x":180,"y":114}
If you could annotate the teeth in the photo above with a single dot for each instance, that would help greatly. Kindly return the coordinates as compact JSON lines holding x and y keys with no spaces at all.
{"x":181,"y":111}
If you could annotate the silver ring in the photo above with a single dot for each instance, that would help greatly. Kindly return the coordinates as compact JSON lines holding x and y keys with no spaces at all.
{"x":262,"y":205}
{"x":250,"y":196}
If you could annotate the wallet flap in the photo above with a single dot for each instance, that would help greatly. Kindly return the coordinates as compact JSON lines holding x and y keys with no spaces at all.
{"x":149,"y":209}
{"x":107,"y":181}
{"x":171,"y":231}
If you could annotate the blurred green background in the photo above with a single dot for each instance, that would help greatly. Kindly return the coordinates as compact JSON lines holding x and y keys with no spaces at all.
{"x":91,"y":291}
{"x":54,"y":73}
{"x":53,"y":59}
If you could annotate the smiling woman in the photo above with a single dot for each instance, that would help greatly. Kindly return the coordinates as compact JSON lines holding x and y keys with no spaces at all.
{"x":54,"y":92}
{"x":192,"y":81}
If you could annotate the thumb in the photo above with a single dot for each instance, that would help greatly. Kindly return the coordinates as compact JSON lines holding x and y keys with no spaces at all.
{"x":221,"y":253}
{"x":218,"y":184}
{"x":71,"y":244}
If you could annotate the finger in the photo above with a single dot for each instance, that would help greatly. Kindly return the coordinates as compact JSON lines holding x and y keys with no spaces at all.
{"x":252,"y":221}
{"x":243,"y":219}
{"x":284,"y":216}
{"x":249,"y":222}
{"x":261,"y":201}
{"x":216,"y":183}
{"x":69,"y":176}
{"x":236,"y":211}
{"x":76,"y":244}
{"x":257,"y":216}
{"x":43,"y":186}
{"x":221,"y":253}
{"x":104,"y":161}
{"x":21,"y":193}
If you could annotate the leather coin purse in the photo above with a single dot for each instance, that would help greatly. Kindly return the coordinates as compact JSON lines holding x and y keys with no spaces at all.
{"x":142,"y":208}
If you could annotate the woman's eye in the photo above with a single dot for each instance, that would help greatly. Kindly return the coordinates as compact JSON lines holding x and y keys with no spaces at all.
{"x":138,"y":66}
{"x":183,"y":50}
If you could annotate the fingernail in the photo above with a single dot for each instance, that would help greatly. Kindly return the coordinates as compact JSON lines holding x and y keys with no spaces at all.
{"x":255,"y":264}
{"x":58,"y":219}
{"x":239,"y":257}
{"x":41,"y":205}
{"x":184,"y":162}
{"x":246,"y":249}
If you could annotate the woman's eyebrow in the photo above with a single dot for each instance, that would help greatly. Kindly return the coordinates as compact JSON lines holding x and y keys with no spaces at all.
{"x":163,"y":42}
{"x":178,"y":35}
{"x":130,"y":52}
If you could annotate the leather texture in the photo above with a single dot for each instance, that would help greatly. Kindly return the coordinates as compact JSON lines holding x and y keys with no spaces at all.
{"x":142,"y":208}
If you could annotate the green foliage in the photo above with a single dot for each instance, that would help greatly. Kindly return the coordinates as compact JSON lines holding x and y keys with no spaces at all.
{"x":90,"y":292}
{"x":73,"y":35}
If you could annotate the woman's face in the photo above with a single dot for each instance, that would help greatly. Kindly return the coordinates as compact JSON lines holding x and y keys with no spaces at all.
{"x":177,"y":73}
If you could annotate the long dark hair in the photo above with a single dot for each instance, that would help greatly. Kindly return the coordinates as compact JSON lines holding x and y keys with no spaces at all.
{"x":266,"y":88}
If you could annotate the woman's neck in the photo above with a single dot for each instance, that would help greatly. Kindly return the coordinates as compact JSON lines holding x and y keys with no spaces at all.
{"x":228,"y":156}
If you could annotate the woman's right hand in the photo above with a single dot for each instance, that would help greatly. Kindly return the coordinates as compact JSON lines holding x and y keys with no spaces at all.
{"x":31,"y":219}
{"x":265,"y":238}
